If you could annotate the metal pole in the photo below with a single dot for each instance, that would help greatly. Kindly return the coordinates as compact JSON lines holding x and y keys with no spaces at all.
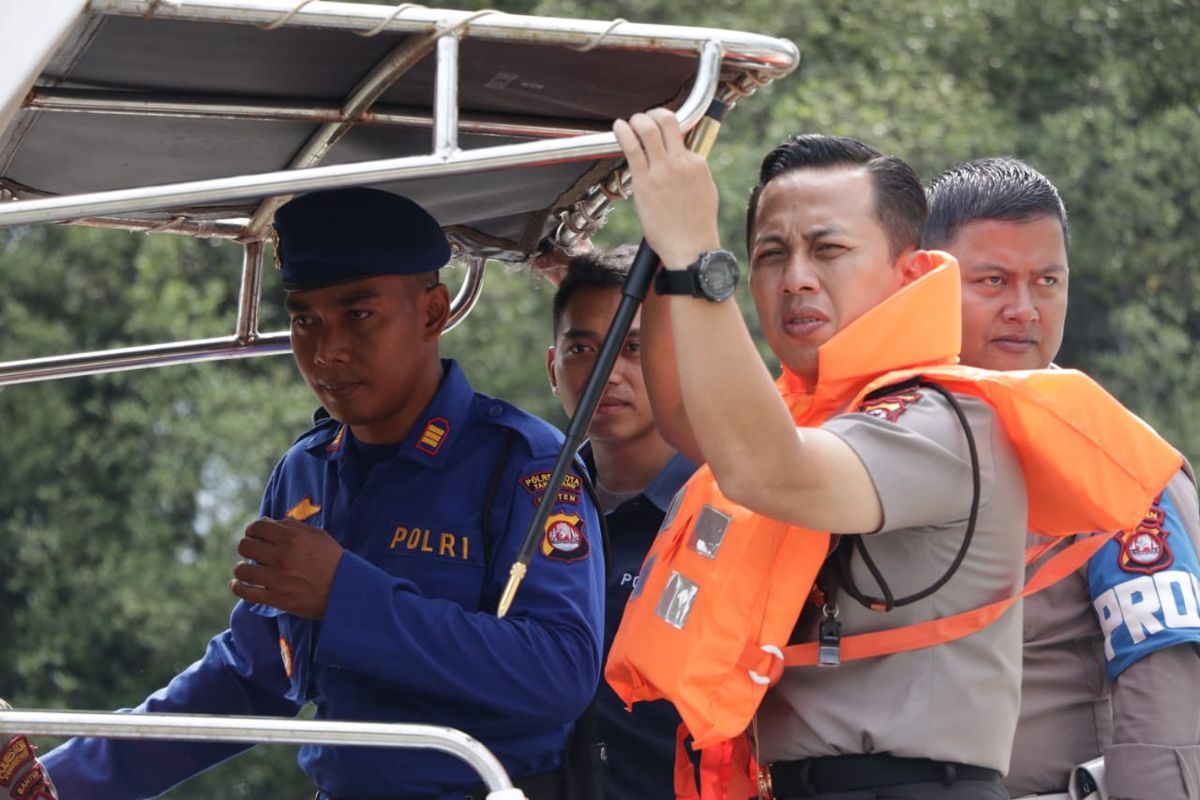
{"x":749,"y":50}
{"x":632,"y":294}
{"x":250,"y":293}
{"x":445,"y":98}
{"x":276,"y":730}
{"x":247,"y":342}
{"x":145,"y":104}
{"x":468,"y":293}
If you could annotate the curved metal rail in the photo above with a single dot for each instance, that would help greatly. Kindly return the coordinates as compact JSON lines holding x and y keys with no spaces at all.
{"x":247,"y":342}
{"x":256,"y":730}
{"x":249,"y":187}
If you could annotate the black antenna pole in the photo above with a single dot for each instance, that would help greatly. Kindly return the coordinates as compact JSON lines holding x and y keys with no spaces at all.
{"x":645,"y":263}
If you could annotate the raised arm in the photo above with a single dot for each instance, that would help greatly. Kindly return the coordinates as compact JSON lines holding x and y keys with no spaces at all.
{"x":740,"y":425}
{"x":662,"y":379}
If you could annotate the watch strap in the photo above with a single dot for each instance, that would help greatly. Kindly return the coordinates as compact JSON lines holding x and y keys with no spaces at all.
{"x":676,"y":281}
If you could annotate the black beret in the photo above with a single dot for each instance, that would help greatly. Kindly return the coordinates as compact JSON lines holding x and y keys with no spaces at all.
{"x":342,"y":235}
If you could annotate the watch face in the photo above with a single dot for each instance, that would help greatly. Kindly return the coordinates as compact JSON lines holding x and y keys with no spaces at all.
{"x":718,"y":275}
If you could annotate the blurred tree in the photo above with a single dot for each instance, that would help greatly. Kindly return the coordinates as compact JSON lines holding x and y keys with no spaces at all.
{"x":123,"y":495}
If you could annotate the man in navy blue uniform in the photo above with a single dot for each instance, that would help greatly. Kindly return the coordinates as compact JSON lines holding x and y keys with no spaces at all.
{"x":385,"y":536}
{"x":636,"y":474}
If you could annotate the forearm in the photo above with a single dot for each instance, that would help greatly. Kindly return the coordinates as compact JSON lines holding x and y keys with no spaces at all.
{"x":662,"y":379}
{"x":542,"y":661}
{"x":739,"y":422}
{"x":239,"y":674}
{"x":1155,"y":752}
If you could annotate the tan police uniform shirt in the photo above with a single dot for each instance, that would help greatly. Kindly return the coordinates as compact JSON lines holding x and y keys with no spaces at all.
{"x":954,"y":702}
{"x":1147,"y":724}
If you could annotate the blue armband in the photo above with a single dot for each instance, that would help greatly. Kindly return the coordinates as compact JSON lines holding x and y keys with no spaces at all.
{"x":1145,"y":587}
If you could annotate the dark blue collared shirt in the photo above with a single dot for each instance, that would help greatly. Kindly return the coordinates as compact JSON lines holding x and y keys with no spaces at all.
{"x":641,"y":743}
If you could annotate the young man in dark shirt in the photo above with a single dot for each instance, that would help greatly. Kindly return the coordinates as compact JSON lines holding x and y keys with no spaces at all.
{"x":636,"y":474}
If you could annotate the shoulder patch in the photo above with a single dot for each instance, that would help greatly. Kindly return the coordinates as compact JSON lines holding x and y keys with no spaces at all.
{"x":536,"y":484}
{"x":1145,"y":549}
{"x":889,"y":407}
{"x":14,"y":757}
{"x":564,"y":538}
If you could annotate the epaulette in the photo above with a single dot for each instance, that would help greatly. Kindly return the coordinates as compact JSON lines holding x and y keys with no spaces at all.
{"x":543,"y":439}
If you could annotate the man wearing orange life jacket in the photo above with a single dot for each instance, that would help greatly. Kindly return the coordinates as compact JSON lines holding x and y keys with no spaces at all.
{"x":832,"y":229}
{"x":1007,"y":226}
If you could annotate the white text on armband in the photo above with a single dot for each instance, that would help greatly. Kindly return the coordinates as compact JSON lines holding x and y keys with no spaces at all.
{"x":1147,"y":605}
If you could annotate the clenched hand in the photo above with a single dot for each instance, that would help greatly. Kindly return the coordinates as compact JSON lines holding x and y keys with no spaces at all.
{"x":289,"y":566}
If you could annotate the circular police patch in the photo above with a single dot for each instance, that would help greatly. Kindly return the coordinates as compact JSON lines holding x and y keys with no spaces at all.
{"x":1145,"y":549}
{"x":564,"y":539}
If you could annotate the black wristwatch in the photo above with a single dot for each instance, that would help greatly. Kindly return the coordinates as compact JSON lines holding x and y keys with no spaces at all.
{"x":713,"y":276}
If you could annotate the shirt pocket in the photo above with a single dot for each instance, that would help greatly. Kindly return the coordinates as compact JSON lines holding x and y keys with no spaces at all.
{"x":444,"y":565}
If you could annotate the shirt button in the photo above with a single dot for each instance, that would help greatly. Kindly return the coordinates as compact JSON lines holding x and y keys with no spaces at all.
{"x":496,"y":410}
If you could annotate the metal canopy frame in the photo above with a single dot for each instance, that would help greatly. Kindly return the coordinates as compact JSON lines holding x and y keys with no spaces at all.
{"x":728,"y":65}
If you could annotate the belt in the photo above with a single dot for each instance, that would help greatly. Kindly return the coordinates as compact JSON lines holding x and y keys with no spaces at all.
{"x":812,"y":776}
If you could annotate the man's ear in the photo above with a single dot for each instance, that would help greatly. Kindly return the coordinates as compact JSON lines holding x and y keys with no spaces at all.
{"x":435,"y":306}
{"x":550,"y":351}
{"x":913,"y":264}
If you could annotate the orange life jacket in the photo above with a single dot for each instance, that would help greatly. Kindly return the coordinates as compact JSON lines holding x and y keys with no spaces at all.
{"x":722,"y":587}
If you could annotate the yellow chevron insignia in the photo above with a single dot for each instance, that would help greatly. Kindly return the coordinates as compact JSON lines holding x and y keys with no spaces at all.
{"x":303,"y":510}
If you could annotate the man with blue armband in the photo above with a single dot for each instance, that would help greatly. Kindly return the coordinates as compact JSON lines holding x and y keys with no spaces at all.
{"x":1111,"y":667}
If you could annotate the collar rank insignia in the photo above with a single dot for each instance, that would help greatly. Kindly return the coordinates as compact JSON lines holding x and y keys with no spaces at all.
{"x":564,"y":539}
{"x":1145,"y":548}
{"x":889,"y":407}
{"x":303,"y":510}
{"x":433,"y":436}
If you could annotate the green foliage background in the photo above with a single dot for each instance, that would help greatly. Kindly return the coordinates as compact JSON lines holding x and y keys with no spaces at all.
{"x":121,"y":497}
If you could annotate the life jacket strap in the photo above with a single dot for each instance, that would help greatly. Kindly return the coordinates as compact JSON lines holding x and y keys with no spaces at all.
{"x":957,"y":626}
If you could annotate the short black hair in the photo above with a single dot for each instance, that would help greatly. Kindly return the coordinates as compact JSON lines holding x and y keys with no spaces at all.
{"x":599,"y":269}
{"x":1005,"y":189}
{"x":899,"y":199}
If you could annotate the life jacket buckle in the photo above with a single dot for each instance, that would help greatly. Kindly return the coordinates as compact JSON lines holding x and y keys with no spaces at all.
{"x":776,"y":670}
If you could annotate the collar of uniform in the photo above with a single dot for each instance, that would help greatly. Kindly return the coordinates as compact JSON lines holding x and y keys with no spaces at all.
{"x":431,"y":436}
{"x":917,"y":326}
{"x":329,"y":444}
{"x":666,"y":483}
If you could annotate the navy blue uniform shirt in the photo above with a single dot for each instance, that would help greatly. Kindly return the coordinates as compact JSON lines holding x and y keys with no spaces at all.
{"x":410,"y":632}
{"x":641,"y":743}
